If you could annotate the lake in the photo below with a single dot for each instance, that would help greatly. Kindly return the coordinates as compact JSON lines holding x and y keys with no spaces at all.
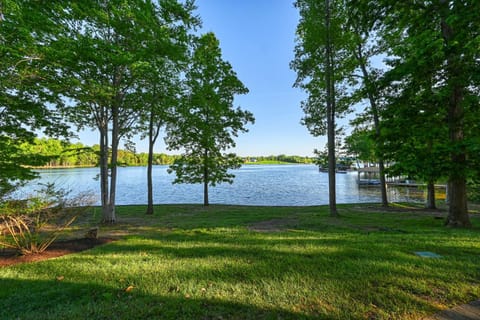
{"x":269,"y":185}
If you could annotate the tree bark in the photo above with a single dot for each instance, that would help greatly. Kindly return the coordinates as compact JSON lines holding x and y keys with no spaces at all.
{"x":110,"y":217}
{"x":103,"y":128}
{"x":458,"y":211}
{"x":431,"y":196}
{"x":330,"y":86}
{"x":151,"y":142}
{"x":205,"y":180}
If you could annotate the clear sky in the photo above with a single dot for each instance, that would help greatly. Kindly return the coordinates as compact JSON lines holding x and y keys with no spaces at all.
{"x":257,"y":38}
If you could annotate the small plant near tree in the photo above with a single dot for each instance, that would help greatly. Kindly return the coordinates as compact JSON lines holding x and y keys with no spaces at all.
{"x":33,"y":224}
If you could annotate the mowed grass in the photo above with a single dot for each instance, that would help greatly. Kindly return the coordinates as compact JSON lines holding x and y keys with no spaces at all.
{"x":232,"y":262}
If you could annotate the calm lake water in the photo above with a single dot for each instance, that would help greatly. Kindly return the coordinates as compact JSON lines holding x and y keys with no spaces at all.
{"x":272,"y":185}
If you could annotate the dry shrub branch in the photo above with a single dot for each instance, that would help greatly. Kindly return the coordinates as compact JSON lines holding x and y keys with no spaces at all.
{"x":31,"y":225}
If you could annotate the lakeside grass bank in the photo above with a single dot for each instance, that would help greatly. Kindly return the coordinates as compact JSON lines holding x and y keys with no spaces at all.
{"x":240,"y":262}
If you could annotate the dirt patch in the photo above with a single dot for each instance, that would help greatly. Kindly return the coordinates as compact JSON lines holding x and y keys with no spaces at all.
{"x":56,"y":249}
{"x":273,"y":225}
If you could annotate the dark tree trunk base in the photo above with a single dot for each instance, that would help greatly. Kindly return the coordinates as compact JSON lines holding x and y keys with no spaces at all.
{"x":457,"y":223}
{"x":431,"y":196}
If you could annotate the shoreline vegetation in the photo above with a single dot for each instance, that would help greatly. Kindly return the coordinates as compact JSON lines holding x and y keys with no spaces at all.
{"x":223,"y":262}
{"x":248,"y":163}
{"x":77,"y":155}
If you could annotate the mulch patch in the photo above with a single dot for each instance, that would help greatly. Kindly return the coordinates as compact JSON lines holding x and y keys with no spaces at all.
{"x":56,"y":249}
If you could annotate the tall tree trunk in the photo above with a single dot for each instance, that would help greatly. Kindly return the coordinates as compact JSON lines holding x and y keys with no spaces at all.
{"x":103,"y":128}
{"x":431,"y":195}
{"x":110,"y":217}
{"x":104,"y":169}
{"x":458,"y":211}
{"x":205,"y":179}
{"x":150,"y":166}
{"x":330,"y":86}
{"x":153,"y":133}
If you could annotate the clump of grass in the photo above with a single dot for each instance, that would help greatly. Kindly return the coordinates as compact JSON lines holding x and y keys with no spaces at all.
{"x":188,"y":262}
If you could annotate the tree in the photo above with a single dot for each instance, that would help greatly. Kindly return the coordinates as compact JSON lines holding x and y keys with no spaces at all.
{"x":163,"y":93}
{"x":324,"y":66}
{"x":418,"y":152}
{"x":363,"y":24}
{"x":206,"y":121}
{"x":159,"y":75}
{"x":435,"y":43}
{"x":25,"y":95}
{"x":101,"y":45}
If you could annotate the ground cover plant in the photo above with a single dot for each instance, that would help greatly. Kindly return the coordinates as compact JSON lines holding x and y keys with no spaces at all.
{"x":231,"y":262}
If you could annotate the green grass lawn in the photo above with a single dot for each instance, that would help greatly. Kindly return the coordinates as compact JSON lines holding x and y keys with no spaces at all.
{"x":232,"y":262}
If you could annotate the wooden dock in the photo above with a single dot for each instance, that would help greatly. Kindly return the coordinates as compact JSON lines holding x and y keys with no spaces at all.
{"x":371,"y":179}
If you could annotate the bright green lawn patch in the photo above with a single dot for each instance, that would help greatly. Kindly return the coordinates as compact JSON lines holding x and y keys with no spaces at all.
{"x":230,"y":262}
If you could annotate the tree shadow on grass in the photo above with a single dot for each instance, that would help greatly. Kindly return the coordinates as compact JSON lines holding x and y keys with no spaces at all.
{"x":60,"y":299}
{"x":387,"y":277}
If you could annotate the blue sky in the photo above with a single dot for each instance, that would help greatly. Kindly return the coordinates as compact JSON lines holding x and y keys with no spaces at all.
{"x":257,"y":38}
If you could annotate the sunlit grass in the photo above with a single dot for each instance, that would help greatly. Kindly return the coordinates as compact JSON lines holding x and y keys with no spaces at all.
{"x":190,"y":262}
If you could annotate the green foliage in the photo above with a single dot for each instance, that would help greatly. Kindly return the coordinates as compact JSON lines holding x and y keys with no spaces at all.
{"x":282,"y":158}
{"x":27,"y":103}
{"x":206,"y":121}
{"x":361,"y":143}
{"x":103,"y":54}
{"x":33,"y":224}
{"x":324,"y":67}
{"x":190,"y":169}
{"x":434,"y":92}
{"x":311,"y":65}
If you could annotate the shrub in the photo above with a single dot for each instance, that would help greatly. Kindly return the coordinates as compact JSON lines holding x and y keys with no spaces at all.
{"x":31,"y":225}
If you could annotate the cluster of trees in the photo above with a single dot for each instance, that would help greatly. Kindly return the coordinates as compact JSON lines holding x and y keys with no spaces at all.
{"x":415,"y":65}
{"x":65,"y":154}
{"x":123,"y":68}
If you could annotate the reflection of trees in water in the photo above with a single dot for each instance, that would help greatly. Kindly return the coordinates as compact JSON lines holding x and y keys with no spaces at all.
{"x":412,"y":194}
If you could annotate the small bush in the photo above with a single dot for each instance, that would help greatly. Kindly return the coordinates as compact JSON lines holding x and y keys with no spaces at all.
{"x":474,"y":190}
{"x":32,"y":225}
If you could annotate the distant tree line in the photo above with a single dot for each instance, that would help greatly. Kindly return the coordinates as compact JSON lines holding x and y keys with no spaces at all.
{"x":279,"y":158}
{"x":65,"y":154}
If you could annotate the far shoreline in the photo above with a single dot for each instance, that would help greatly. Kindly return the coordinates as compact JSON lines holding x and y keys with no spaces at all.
{"x":138,"y":165}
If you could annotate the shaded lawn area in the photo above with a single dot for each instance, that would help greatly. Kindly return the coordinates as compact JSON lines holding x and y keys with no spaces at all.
{"x":233,"y":262}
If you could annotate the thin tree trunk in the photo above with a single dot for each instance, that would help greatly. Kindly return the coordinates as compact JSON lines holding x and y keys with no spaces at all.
{"x":205,"y":179}
{"x":150,"y":166}
{"x":103,"y":126}
{"x":104,"y":170}
{"x":372,"y":93}
{"x":330,"y":85}
{"x":458,"y":211}
{"x":152,"y":138}
{"x":111,"y":217}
